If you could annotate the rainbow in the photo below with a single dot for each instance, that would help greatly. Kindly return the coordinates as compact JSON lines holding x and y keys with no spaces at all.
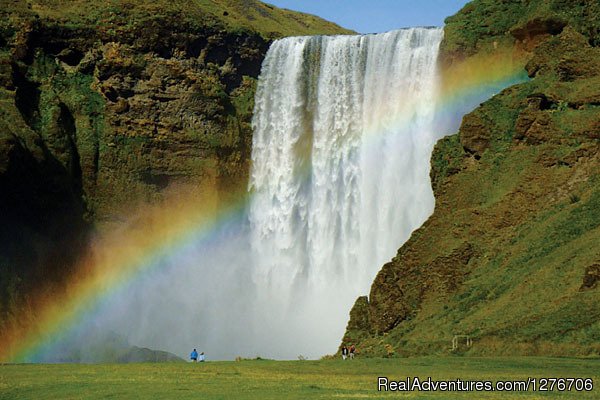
{"x":120,"y":258}
{"x":114,"y":262}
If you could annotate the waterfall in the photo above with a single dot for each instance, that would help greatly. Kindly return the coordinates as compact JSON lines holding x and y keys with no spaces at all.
{"x":343,"y":132}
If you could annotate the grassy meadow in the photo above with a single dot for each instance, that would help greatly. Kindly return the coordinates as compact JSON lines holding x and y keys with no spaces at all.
{"x":262,"y":379}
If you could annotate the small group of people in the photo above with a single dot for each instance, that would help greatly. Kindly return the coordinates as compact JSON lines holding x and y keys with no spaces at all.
{"x":195,"y":357}
{"x":348,"y":352}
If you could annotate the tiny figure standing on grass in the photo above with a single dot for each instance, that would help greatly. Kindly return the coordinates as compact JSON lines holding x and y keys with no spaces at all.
{"x":194,"y":356}
{"x":344,"y":352}
{"x":352,"y":351}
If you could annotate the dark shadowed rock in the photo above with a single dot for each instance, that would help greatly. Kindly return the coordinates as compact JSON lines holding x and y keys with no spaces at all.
{"x":591,"y":278}
{"x":536,"y":30}
{"x":399,"y":287}
{"x":475,"y":134}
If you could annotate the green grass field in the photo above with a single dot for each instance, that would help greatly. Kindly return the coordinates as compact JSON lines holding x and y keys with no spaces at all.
{"x":285,"y":379}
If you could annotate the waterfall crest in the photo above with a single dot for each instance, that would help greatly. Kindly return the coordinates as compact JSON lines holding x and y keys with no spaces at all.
{"x":343,"y":132}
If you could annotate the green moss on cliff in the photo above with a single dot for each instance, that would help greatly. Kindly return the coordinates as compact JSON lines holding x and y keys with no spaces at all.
{"x":178,"y":76}
{"x":509,"y":255}
{"x":109,"y":105}
{"x":124,"y":20}
{"x":481,"y":22}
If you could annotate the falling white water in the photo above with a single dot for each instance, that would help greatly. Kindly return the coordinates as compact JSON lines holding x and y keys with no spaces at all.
{"x":343,"y":132}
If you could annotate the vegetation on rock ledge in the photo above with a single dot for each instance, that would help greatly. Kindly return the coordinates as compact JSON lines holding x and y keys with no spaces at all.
{"x":509,"y":256}
{"x":107,"y":105}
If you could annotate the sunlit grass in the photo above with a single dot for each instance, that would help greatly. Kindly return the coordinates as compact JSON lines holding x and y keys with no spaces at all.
{"x":262,"y":379}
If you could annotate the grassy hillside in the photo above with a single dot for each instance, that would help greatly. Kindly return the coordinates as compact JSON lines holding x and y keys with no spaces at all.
{"x":262,"y":379}
{"x":509,"y":256}
{"x":110,"y":106}
{"x":268,"y":19}
{"x":124,"y":17}
{"x":481,"y":23}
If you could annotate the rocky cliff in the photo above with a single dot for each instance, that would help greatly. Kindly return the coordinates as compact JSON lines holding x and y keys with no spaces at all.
{"x":509,"y":257}
{"x":107,"y":105}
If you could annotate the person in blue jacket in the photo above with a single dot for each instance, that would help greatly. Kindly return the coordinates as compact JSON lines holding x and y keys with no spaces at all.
{"x":194,"y":356}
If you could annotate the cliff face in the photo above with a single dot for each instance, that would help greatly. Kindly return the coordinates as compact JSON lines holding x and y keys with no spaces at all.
{"x":106,"y":105}
{"x":509,"y":256}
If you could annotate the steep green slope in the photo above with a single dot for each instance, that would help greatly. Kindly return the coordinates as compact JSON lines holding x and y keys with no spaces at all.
{"x":107,"y":105}
{"x":118,"y":18}
{"x":267,"y":19}
{"x":510,"y":255}
{"x":481,"y":23}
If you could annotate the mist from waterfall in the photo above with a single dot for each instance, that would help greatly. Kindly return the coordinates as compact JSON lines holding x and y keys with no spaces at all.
{"x":343,"y":132}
